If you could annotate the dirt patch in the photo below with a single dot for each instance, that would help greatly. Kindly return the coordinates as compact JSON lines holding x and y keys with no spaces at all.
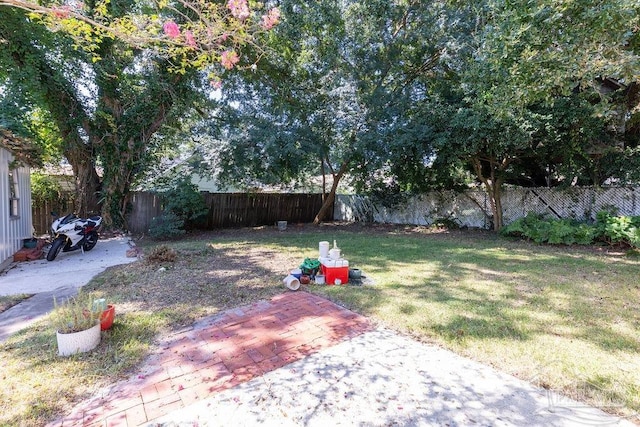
{"x":203,"y":279}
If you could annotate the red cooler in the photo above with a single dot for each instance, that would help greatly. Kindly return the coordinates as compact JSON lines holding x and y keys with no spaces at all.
{"x":333,"y":273}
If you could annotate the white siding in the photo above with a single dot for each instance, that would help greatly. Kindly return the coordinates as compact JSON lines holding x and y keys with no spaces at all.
{"x":13,"y":229}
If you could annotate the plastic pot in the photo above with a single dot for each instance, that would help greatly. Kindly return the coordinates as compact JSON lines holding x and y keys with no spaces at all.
{"x":78,"y":342}
{"x":107,"y":316}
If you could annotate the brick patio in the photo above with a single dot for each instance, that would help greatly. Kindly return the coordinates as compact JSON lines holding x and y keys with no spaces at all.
{"x":219,"y":353}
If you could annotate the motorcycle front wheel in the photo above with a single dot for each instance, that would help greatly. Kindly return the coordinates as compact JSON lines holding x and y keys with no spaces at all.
{"x":56,"y":247}
{"x":90,"y":241}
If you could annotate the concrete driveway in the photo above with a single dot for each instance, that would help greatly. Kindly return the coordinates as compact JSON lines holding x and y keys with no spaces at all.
{"x":59,"y":278}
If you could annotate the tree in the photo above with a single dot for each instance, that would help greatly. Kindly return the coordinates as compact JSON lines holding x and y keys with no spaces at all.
{"x":337,"y":75}
{"x":543,"y":145}
{"x":568,"y":143}
{"x":520,"y":69}
{"x":109,"y":100}
{"x":39,"y":81}
{"x":528,"y":54}
{"x":192,"y":33}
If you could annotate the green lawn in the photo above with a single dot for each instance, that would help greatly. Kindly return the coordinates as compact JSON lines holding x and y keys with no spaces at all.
{"x":564,"y":318}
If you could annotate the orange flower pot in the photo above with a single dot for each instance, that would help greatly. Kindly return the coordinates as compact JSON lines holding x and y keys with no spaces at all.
{"x":107,"y":316}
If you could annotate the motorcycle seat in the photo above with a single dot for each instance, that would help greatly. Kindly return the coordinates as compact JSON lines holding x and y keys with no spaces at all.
{"x":95,"y":218}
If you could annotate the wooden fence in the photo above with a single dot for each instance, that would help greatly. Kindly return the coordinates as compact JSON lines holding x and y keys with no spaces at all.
{"x":41,"y":212}
{"x":144,"y":207}
{"x":226,"y":210}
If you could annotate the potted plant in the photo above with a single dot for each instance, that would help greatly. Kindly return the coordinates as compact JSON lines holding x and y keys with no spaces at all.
{"x":77,"y":325}
{"x":107,"y":313}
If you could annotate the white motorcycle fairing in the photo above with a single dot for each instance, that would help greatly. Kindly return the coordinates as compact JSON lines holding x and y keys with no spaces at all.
{"x":72,"y":233}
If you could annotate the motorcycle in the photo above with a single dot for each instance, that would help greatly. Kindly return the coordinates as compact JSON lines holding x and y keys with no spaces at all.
{"x":72,"y":233}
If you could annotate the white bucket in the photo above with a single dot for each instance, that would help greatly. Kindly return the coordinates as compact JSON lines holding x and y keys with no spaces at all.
{"x":334,"y":253}
{"x":292,"y":282}
{"x":324,"y":249}
{"x":319,"y":279}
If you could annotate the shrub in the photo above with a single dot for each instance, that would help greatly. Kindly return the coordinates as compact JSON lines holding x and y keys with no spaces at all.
{"x":621,"y":230}
{"x":585,"y":234}
{"x":185,"y":202}
{"x":184,"y":206}
{"x":531,"y":227}
{"x":553,"y":231}
{"x":448,"y":223}
{"x":624,"y":230}
{"x":166,"y":226}
{"x":44,"y":188}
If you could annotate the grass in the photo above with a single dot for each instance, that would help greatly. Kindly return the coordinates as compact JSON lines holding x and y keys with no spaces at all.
{"x":563,"y":318}
{"x":38,"y":384}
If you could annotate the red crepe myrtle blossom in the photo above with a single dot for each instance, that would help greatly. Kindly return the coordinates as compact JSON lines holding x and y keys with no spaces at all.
{"x":229,"y":59}
{"x":61,"y":12}
{"x":271,"y":19}
{"x":191,"y":41}
{"x":239,"y":9}
{"x":171,"y":29}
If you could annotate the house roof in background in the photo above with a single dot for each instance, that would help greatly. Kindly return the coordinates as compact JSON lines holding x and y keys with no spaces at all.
{"x":23,"y":150}
{"x":63,"y":169}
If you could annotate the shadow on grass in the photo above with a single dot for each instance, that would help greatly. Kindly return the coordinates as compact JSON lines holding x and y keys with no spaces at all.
{"x":32,"y":361}
{"x":527,"y":280}
{"x":451,"y":288}
{"x":462,"y":287}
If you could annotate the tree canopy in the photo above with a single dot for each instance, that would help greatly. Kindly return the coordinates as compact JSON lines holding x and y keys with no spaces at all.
{"x":335,"y":79}
{"x":105,"y":78}
{"x":408,"y":96}
{"x":190,"y":33}
{"x":399,"y":96}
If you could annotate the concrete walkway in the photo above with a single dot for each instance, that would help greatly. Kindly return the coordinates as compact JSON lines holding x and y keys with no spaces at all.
{"x":59,"y":278}
{"x":301,"y":360}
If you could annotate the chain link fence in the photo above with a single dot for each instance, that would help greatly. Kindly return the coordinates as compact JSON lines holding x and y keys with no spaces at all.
{"x":472,"y":208}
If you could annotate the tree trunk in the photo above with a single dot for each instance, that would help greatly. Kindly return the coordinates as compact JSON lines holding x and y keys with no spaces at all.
{"x":326,"y":205}
{"x":87,"y":181}
{"x":493,"y":187}
{"x":122,"y":155}
{"x":497,"y":205}
{"x":117,"y":179}
{"x":328,"y":201}
{"x":119,"y":159}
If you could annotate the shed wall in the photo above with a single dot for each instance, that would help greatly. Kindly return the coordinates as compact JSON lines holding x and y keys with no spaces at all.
{"x":13,"y":229}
